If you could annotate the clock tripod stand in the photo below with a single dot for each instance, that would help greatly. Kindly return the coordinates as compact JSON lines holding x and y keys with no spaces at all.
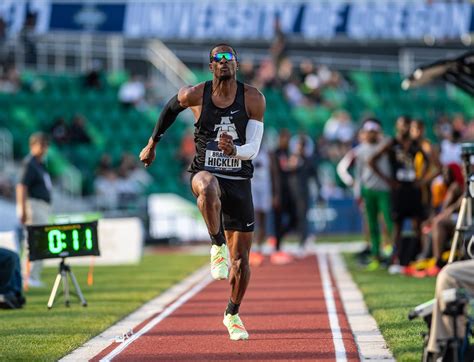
{"x":63,"y":274}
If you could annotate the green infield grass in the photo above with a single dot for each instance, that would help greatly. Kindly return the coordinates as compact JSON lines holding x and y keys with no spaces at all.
{"x":339,"y":238}
{"x":329,"y":238}
{"x":36,"y":333}
{"x":389,"y":299}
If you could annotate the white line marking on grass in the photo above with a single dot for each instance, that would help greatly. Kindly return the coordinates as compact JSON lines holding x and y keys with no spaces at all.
{"x":369,"y":340}
{"x":170,"y":309}
{"x":97,"y":344}
{"x":331,"y":307}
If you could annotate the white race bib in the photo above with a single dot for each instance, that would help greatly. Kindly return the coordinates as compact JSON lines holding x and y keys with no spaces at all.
{"x":405,"y":175}
{"x":218,"y":161}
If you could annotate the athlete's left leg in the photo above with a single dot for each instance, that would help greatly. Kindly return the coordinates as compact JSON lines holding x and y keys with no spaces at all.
{"x":239,"y":244}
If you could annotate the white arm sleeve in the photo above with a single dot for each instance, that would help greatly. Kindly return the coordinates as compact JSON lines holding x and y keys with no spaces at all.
{"x":343,"y":166}
{"x":253,"y":139}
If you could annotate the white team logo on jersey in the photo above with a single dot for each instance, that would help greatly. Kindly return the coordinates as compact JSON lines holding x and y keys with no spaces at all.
{"x":226,"y":126}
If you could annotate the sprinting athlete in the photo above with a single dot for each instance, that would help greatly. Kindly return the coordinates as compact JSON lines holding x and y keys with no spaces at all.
{"x":228,"y":133}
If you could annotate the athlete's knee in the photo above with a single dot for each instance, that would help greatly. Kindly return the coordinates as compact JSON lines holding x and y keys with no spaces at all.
{"x":208,"y":188}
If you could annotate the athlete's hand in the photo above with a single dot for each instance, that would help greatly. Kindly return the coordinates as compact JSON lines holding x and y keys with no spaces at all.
{"x":226,"y":144}
{"x":148,"y":154}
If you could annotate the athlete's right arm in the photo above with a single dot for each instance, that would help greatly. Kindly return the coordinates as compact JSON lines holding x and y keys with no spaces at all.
{"x":187,"y":97}
{"x":374,"y":160}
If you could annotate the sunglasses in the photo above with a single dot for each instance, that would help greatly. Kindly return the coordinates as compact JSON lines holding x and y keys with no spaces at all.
{"x":219,"y":56}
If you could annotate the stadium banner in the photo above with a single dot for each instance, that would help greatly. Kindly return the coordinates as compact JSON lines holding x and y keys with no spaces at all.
{"x":242,"y":20}
{"x":307,"y":20}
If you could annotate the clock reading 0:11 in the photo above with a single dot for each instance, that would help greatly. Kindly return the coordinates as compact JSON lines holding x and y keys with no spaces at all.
{"x":57,"y":240}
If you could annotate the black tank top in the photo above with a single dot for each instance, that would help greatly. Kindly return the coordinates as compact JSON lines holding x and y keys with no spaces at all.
{"x":212,"y":122}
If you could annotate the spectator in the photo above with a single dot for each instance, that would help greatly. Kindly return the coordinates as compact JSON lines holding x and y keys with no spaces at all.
{"x":132,"y":180}
{"x":278,"y":48}
{"x":432,"y":164}
{"x":11,"y":288}
{"x":3,"y":31}
{"x":451,"y":148}
{"x":302,"y":169}
{"x":77,"y":130}
{"x":266,"y":74}
{"x":137,"y":175}
{"x":92,"y":78}
{"x":105,"y":165}
{"x":443,"y":224}
{"x":284,"y":210}
{"x":247,"y":71}
{"x":10,"y":80}
{"x":375,"y":191}
{"x":339,"y":128}
{"x":293,"y":93}
{"x":34,"y":194}
{"x":285,"y":71}
{"x":459,"y":124}
{"x":60,"y":131}
{"x":105,"y":185}
{"x":132,"y":92}
{"x":405,"y":187}
{"x":27,"y":36}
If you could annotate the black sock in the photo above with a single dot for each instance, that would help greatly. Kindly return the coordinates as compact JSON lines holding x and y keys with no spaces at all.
{"x":232,"y":308}
{"x":218,"y":239}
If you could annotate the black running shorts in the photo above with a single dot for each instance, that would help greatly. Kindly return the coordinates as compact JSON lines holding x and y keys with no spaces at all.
{"x":406,"y":202}
{"x":236,"y":204}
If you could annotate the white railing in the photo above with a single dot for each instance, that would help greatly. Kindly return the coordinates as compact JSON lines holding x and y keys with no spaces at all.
{"x":169,"y":65}
{"x":6,"y":148}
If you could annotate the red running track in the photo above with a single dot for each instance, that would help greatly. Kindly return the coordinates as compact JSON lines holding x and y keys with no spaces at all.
{"x":284,"y":312}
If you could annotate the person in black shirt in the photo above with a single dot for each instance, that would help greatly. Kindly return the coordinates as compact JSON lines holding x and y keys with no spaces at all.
{"x":33,"y":194}
{"x":11,"y":288}
{"x":302,"y":169}
{"x":405,"y":186}
{"x":77,"y":130}
{"x":228,"y":134}
{"x":284,"y":206}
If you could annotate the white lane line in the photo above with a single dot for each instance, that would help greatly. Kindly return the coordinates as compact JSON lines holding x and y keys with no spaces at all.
{"x":369,"y":340}
{"x":170,"y":309}
{"x":331,"y":307}
{"x":97,"y":344}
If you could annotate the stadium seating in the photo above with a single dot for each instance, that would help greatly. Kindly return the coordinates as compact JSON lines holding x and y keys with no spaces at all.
{"x":116,"y":130}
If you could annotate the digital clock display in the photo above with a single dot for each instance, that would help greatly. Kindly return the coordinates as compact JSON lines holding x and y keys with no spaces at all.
{"x":60,"y":241}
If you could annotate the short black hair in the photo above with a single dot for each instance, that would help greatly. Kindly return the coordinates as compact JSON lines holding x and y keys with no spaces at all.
{"x":222,"y":45}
